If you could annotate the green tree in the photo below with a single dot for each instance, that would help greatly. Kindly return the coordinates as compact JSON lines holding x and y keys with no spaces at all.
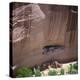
{"x":52,"y":72}
{"x":24,"y":72}
{"x":62,"y":72}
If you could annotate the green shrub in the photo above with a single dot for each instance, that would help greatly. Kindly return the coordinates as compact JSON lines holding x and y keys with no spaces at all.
{"x":52,"y":72}
{"x":73,"y":69}
{"x":24,"y":72}
{"x":75,"y":66}
{"x":37,"y":72}
{"x":74,"y":72}
{"x":62,"y":72}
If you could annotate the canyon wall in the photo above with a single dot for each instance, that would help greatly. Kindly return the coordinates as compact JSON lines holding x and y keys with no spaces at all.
{"x":37,"y":25}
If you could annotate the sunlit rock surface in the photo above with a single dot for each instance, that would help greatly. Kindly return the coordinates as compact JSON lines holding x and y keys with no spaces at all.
{"x":35,"y":26}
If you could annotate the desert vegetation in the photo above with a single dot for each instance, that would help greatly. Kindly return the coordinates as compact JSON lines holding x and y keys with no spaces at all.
{"x":71,"y":68}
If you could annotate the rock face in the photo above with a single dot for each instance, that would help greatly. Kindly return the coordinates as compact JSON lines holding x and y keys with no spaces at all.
{"x":37,"y":25}
{"x":22,"y":19}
